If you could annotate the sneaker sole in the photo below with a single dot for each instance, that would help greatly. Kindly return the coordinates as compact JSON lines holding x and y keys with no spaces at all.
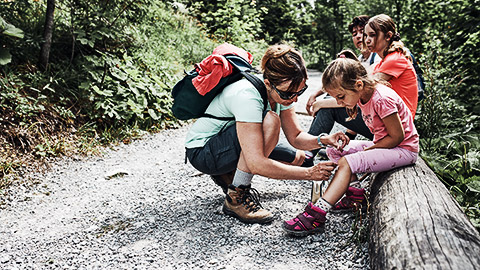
{"x":340,"y":211}
{"x":248,"y":221}
{"x":320,"y":229}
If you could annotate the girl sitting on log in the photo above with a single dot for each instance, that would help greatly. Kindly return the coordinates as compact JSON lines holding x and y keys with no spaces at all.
{"x":381,"y":37}
{"x":395,"y":141}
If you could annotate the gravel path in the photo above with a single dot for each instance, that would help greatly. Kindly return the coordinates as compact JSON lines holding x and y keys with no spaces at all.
{"x":162,"y":214}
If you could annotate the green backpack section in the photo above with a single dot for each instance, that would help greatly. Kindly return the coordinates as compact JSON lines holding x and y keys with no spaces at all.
{"x":189,"y":104}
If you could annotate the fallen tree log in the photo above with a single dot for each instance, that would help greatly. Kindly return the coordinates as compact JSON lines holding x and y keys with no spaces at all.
{"x":417,"y":224}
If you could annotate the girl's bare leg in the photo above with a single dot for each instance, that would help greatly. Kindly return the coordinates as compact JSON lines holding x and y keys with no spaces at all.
{"x":340,"y":182}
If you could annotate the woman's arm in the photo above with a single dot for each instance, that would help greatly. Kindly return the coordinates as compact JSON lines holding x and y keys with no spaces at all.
{"x":253,"y":158}
{"x":304,"y":141}
{"x":395,"y":131}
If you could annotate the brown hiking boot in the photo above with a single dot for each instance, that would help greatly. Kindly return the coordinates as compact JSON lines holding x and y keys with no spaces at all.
{"x":223,"y":180}
{"x":242,"y":202}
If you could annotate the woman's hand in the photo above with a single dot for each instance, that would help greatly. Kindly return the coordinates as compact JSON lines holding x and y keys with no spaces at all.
{"x":338,"y":140}
{"x":322,"y":171}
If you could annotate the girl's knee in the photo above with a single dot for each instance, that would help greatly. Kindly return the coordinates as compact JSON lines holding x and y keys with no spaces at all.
{"x":343,"y":164}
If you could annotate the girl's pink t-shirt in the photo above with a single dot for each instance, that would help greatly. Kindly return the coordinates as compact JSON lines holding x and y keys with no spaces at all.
{"x":384,"y":102}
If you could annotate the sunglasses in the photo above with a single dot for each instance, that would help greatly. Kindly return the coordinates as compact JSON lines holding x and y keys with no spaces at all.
{"x":288,"y":95}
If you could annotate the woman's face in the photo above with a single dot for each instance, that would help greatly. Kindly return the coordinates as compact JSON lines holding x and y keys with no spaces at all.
{"x":376,"y":42}
{"x":282,"y":88}
{"x":345,"y":98}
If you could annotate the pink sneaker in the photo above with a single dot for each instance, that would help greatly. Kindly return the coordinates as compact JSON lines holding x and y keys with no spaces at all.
{"x":354,"y":199}
{"x":308,"y":222}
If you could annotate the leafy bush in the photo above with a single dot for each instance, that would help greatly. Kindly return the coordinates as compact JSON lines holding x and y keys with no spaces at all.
{"x":7,"y":30}
{"x":233,"y":21}
{"x":111,"y":69}
{"x":449,"y":133}
{"x":112,"y":62}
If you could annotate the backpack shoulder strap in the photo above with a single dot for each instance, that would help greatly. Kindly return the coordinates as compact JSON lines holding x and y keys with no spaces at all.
{"x":242,"y":66}
{"x":246,"y":69}
{"x":372,"y":60}
{"x":259,"y":85}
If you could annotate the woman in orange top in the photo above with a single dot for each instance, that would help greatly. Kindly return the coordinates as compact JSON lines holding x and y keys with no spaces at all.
{"x":380,"y":36}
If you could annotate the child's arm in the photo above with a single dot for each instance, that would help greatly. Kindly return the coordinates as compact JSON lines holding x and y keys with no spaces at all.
{"x":395,"y":131}
{"x":312,"y":99}
{"x":324,"y":103}
{"x":382,"y":76}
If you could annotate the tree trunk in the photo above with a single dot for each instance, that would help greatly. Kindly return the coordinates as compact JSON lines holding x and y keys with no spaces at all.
{"x":416,"y":223}
{"x":47,"y":35}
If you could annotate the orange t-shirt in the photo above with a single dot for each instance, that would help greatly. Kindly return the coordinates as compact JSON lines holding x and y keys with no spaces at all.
{"x":404,"y":79}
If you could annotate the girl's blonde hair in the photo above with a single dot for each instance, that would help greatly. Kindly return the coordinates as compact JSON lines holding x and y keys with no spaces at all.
{"x":383,"y":23}
{"x":283,"y":63}
{"x":343,"y":73}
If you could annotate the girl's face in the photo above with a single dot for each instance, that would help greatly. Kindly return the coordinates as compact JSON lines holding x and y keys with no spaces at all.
{"x":376,"y":42}
{"x":346,"y":98}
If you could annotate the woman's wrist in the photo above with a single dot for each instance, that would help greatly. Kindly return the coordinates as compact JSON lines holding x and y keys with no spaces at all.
{"x":319,"y":139}
{"x":308,"y":173}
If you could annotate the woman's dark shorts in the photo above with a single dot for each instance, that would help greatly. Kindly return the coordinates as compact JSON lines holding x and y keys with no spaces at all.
{"x":221,"y":153}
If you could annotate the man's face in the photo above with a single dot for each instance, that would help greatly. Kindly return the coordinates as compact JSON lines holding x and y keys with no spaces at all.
{"x":357,"y":36}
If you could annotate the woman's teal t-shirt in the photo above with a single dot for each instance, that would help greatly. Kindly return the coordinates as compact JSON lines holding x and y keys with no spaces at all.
{"x":240,"y":100}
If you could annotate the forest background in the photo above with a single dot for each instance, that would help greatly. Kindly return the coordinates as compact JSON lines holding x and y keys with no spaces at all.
{"x":78,"y":75}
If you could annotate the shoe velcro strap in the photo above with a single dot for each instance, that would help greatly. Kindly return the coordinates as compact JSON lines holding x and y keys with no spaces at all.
{"x":313,"y":213}
{"x":345,"y":203}
{"x":355,"y":192}
{"x":305,"y":222}
{"x":355,"y":198}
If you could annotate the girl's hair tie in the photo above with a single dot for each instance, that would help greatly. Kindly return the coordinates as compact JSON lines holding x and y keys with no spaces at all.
{"x":396,"y":37}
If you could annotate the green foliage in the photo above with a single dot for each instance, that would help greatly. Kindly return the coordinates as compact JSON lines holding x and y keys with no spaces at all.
{"x":449,"y":133}
{"x":233,"y":21}
{"x":330,"y":22}
{"x":113,"y":62}
{"x":458,"y":166}
{"x":7,"y":30}
{"x":445,"y":37}
{"x":111,"y":69}
{"x":286,"y":20}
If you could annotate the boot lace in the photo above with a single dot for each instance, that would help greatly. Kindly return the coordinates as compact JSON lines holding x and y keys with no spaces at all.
{"x":251,"y":199}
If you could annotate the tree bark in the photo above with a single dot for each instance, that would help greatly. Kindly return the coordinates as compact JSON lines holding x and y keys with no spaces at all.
{"x":47,"y":35}
{"x":416,"y":223}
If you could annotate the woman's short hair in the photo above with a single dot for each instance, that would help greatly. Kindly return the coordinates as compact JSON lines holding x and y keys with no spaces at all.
{"x":283,"y":63}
